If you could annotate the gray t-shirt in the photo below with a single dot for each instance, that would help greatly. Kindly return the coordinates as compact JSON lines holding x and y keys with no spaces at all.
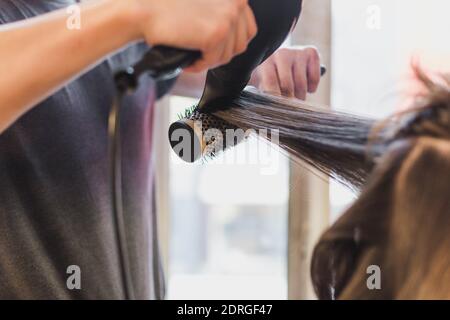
{"x":55,"y":204}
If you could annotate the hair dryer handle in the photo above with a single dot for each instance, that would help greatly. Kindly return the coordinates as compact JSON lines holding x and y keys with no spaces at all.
{"x":163,"y":60}
{"x":160,"y":62}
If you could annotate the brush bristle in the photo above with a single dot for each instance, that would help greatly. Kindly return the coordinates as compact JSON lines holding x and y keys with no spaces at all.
{"x":213,"y":131}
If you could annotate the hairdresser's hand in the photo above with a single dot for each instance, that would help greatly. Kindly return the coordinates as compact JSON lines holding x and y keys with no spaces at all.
{"x":220,"y":29}
{"x":291,"y":72}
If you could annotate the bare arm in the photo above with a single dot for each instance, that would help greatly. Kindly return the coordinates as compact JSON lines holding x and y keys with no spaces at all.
{"x":40,"y":55}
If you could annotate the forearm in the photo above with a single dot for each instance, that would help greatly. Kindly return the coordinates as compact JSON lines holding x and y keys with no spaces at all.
{"x":39,"y":55}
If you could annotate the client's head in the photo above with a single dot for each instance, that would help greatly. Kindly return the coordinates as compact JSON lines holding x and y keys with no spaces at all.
{"x":401,"y":166}
{"x":400,"y":222}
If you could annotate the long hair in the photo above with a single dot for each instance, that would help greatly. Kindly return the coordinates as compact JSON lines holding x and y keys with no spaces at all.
{"x":333,"y":142}
{"x":401,"y":166}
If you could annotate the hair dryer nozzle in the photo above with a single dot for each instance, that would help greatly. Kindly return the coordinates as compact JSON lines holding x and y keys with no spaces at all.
{"x":202,"y":135}
{"x":185,"y":142}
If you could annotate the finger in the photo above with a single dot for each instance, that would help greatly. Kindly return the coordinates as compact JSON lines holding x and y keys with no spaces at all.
{"x":241,"y":42}
{"x":300,"y":80}
{"x":269,"y":79}
{"x":209,"y":60}
{"x":285,"y":77}
{"x":255,"y":78}
{"x":229,"y":47}
{"x":313,"y":72}
{"x":252,"y":27}
{"x":195,"y":68}
{"x":212,"y":58}
{"x":198,"y":66}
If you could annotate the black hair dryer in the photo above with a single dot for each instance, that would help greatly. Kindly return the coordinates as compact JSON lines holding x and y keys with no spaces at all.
{"x":275,"y":19}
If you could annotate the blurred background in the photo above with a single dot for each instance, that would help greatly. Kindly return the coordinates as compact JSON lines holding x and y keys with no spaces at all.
{"x":232,"y":229}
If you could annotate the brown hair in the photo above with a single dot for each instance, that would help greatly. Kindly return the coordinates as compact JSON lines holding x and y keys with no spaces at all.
{"x":401,"y":219}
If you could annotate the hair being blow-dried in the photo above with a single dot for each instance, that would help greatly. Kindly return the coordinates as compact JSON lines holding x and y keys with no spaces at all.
{"x":400,"y":221}
{"x":333,"y":142}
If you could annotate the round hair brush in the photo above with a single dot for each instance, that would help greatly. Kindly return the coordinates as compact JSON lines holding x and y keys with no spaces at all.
{"x":200,"y":135}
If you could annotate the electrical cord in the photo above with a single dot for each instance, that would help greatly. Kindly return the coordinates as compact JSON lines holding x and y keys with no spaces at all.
{"x":115,"y":156}
{"x":161,"y":63}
